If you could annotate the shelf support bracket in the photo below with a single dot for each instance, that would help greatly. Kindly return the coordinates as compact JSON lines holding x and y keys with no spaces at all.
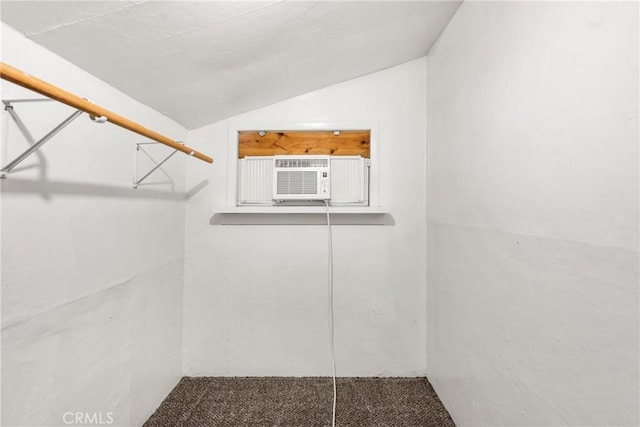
{"x":8,"y":107}
{"x":136,"y":181}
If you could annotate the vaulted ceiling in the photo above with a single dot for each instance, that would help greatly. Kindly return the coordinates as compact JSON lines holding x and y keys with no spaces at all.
{"x":202,"y":61}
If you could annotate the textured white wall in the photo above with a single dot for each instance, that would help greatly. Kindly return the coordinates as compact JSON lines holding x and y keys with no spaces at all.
{"x":256,"y":295}
{"x":533,"y":214}
{"x":91,"y":269}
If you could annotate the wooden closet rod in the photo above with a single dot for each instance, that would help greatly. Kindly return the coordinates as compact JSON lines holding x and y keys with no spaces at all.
{"x":23,"y":79}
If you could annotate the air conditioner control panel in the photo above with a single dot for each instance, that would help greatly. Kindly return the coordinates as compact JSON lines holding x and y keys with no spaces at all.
{"x":324,"y":183}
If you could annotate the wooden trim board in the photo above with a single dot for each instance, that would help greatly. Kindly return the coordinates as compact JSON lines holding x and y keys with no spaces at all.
{"x":347,"y":143}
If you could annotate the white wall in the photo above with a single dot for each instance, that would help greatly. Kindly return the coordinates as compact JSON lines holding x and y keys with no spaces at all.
{"x":533,"y":214}
{"x":91,"y":268}
{"x":256,"y":295}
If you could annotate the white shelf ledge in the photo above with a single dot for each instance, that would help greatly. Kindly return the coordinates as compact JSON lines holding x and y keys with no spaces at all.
{"x":301,"y":215}
{"x":303,"y":210}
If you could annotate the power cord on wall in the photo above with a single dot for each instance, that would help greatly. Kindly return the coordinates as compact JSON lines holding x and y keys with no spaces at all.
{"x":330,"y":304}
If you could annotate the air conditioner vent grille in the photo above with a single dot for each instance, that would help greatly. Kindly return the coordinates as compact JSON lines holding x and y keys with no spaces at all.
{"x":302,"y":163}
{"x":297,"y":182}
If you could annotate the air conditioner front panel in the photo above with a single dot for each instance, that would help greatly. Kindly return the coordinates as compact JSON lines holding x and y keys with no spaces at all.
{"x":301,"y":178}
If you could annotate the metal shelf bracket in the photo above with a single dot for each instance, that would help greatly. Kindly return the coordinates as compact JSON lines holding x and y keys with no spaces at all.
{"x":35,"y":145}
{"x":137,"y":181}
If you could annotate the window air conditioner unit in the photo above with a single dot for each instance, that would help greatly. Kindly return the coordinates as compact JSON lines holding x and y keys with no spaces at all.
{"x":301,"y":178}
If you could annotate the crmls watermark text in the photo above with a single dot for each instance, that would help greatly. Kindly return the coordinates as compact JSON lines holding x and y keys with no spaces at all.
{"x":95,"y":418}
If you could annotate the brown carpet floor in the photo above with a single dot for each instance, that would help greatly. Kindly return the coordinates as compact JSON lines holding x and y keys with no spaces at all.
{"x":285,"y":401}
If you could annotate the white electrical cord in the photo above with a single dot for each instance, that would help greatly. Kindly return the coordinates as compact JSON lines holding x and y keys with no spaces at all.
{"x":330,"y":280}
